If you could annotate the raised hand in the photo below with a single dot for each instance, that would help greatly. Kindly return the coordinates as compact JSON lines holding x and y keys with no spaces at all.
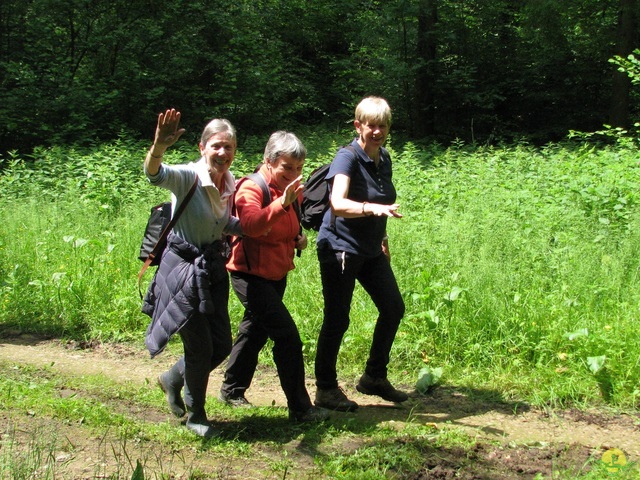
{"x":292,"y":191}
{"x":167,"y":131}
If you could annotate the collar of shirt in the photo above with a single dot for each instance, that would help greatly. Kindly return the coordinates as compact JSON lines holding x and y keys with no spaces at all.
{"x":202,"y":170}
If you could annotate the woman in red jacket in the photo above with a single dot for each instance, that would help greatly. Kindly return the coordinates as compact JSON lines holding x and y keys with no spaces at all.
{"x":259,"y":265}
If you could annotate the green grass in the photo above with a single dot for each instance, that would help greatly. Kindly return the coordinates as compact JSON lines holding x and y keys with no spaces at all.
{"x":519,"y":266}
{"x":66,"y":410}
{"x":115,"y":413}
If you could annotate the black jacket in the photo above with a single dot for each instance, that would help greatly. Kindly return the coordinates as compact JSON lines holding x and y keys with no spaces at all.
{"x":181,"y":288}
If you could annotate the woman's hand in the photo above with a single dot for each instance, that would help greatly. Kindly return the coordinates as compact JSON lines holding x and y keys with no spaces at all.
{"x":167,"y":132}
{"x":385,"y":248}
{"x":301,"y":241}
{"x":343,"y":207}
{"x":380,"y":210}
{"x":292,"y":192}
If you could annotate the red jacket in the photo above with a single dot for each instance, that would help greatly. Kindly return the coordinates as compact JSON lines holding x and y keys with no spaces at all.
{"x":270,"y":232}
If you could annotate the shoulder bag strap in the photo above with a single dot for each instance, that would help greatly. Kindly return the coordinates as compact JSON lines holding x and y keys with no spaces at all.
{"x":163,"y":236}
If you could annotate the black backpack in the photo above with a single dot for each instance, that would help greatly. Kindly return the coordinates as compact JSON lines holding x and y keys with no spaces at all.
{"x":315,"y":198}
{"x":159,"y":225}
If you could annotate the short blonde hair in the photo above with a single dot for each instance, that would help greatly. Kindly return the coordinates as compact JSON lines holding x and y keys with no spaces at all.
{"x":374,"y":110}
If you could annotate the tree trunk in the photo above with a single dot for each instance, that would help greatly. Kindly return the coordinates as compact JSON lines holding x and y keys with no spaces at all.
{"x":625,"y":42}
{"x":425,"y":74}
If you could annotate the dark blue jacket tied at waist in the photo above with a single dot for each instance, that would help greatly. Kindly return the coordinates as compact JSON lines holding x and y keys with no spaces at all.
{"x":181,"y":288}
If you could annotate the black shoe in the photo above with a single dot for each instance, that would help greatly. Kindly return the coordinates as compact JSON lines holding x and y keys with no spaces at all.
{"x":173,"y":396}
{"x":312,"y":414}
{"x":238,"y":402}
{"x":380,"y":387}
{"x":334,"y":399}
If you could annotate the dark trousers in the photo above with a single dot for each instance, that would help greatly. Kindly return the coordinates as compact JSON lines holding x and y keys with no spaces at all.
{"x":207,"y":342}
{"x":266,"y":316}
{"x":339,"y":272}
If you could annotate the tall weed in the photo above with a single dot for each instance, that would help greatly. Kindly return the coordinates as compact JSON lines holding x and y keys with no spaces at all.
{"x":513,"y":252}
{"x":519,"y":266}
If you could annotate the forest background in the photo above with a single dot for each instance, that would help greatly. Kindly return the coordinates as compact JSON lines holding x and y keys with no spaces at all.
{"x":501,"y":210}
{"x":81,"y":71}
{"x":515,"y":153}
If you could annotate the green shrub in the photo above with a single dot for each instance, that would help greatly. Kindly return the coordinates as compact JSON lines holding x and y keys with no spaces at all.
{"x":518,"y":265}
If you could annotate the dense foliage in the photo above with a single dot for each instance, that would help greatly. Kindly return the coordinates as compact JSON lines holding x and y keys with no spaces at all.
{"x":519,"y":266}
{"x":75,"y":71}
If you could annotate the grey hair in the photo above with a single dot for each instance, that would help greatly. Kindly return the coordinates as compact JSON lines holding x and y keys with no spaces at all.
{"x":284,"y":143}
{"x":215,"y":126}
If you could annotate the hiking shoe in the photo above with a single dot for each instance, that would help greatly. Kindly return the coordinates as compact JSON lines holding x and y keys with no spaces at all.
{"x":312,"y":414}
{"x":173,"y":396}
{"x":380,"y":387}
{"x":237,"y":402}
{"x":334,"y":399}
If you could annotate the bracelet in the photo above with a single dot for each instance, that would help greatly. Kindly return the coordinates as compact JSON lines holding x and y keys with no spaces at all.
{"x":155,"y":156}
{"x":363,"y":212}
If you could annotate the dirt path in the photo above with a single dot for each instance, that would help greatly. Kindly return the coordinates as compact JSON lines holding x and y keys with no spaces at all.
{"x":446,"y":407}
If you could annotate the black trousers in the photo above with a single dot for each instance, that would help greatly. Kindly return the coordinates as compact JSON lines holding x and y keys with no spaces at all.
{"x":206,"y":340}
{"x":339,"y":272}
{"x":265,"y":317}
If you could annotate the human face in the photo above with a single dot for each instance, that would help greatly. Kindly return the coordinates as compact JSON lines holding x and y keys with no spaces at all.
{"x":285,"y":170}
{"x":372,"y":135}
{"x":218,"y":152}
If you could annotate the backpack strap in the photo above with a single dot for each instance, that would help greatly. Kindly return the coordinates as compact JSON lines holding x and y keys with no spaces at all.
{"x":266,"y":193}
{"x":165,"y":233}
{"x":296,"y":208}
{"x":259,"y":180}
{"x":295,"y":205}
{"x":262,"y":183}
{"x":266,"y":200}
{"x":355,"y":156}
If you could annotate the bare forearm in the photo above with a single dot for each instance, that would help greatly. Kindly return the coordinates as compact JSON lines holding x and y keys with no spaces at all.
{"x":153,"y":160}
{"x":351,"y":209}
